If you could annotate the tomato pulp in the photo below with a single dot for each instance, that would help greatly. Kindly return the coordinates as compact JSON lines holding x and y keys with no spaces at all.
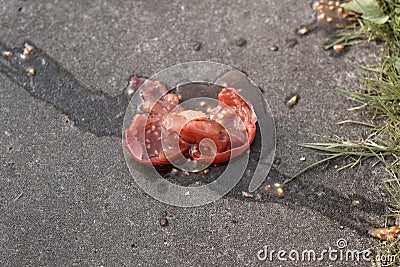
{"x":224,"y":132}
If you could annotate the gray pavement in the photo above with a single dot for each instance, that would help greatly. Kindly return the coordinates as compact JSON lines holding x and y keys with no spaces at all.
{"x":66,"y":195}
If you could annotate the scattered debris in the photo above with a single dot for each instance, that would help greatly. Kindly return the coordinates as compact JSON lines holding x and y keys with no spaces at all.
{"x":387,"y":233}
{"x":175,"y":171}
{"x":292,"y":101}
{"x":276,"y":189}
{"x":164,"y":222}
{"x":281,"y":193}
{"x":29,"y":49}
{"x":8,"y":54}
{"x":247,"y":194}
{"x":331,"y":13}
{"x":274,"y":48}
{"x":25,"y":58}
{"x":196,"y":46}
{"x":276,"y":161}
{"x":356,"y":203}
{"x":339,"y":48}
{"x":31,"y":71}
{"x":131,"y":91}
{"x":249,"y":173}
{"x":303,"y":30}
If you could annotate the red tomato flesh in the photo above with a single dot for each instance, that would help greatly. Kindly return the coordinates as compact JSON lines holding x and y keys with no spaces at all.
{"x":231,"y":126}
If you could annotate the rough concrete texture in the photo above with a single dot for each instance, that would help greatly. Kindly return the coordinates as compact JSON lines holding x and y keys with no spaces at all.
{"x":66,"y":196}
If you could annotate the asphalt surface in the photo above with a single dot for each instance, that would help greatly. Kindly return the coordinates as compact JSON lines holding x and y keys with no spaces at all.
{"x":66,"y":195}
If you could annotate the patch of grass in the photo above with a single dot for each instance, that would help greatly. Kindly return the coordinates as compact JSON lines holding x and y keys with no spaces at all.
{"x":380,"y":97}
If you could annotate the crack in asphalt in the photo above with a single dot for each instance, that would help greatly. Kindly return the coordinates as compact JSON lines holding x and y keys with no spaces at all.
{"x":92,"y":112}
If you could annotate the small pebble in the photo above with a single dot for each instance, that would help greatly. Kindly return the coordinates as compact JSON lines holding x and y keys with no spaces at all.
{"x":277,"y":161}
{"x":276,"y":189}
{"x":356,"y":203}
{"x":164,"y":222}
{"x":131,"y":91}
{"x":321,"y":16}
{"x":25,"y":57}
{"x":274,"y":48}
{"x":339,"y":48}
{"x":292,"y":101}
{"x":268,"y":188}
{"x":247,"y":194}
{"x":240,"y":42}
{"x":8,"y":54}
{"x":303,"y":30}
{"x":175,"y":171}
{"x":249,"y":173}
{"x":281,"y":193}
{"x":29,"y":49}
{"x":31,"y":71}
{"x":196,"y":46}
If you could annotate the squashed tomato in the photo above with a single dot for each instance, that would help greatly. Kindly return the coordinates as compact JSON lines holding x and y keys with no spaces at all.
{"x":231,"y":126}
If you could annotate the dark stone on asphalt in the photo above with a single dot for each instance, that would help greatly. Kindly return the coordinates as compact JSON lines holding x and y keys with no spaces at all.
{"x":164,"y":222}
{"x":274,"y":48}
{"x":196,"y":46}
{"x":240,"y":42}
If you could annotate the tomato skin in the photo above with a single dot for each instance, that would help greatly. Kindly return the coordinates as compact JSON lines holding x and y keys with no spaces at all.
{"x":243,"y":109}
{"x":196,"y":130}
{"x":135,"y":140}
{"x":231,"y":126}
